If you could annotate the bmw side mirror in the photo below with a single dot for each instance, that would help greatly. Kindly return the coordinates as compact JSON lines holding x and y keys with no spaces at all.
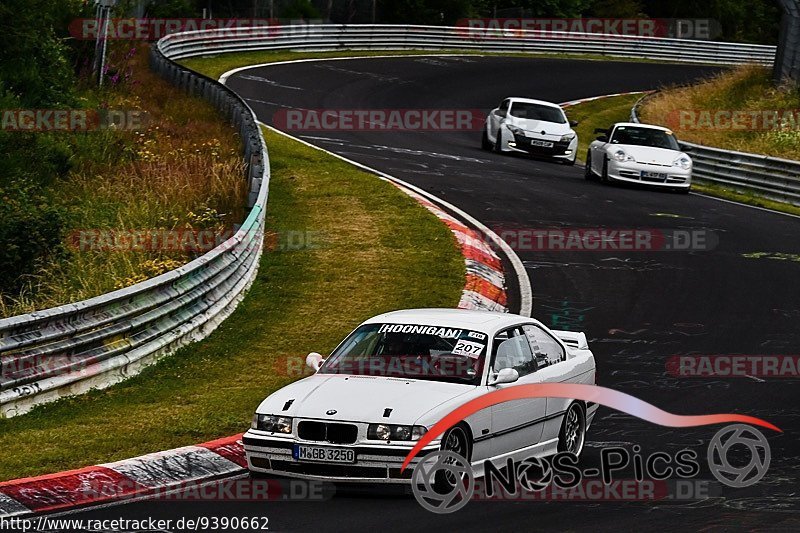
{"x":314,"y":361}
{"x":573,"y":123}
{"x":506,"y":375}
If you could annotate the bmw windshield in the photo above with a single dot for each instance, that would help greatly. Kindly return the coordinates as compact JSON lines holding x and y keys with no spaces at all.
{"x":411,"y":351}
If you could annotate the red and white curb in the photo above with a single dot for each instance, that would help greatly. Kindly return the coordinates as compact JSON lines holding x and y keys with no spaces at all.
{"x":485,"y":284}
{"x":140,"y":476}
{"x":602,"y":96}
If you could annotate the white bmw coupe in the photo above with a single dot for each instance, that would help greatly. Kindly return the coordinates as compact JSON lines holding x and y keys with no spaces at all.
{"x":358,"y":416}
{"x":639,"y":153}
{"x":531,"y":126}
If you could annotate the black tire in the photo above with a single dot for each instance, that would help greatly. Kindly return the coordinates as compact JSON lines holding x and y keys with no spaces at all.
{"x":587,"y":171}
{"x":604,"y":175}
{"x":497,"y":141}
{"x":485,"y":143}
{"x":570,"y":162}
{"x":685,"y":191}
{"x":572,"y":435}
{"x":457,"y":440}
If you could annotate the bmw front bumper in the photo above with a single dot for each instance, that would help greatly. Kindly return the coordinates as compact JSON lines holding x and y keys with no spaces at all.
{"x":273,"y":454}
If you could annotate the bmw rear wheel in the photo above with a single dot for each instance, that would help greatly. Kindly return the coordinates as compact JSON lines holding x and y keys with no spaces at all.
{"x":572,"y":436}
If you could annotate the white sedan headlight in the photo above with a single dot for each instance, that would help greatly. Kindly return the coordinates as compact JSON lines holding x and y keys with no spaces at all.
{"x":567,"y":138}
{"x":395,"y":432}
{"x":515,"y":130}
{"x":621,"y":156}
{"x":684,"y":162}
{"x":275,"y":424}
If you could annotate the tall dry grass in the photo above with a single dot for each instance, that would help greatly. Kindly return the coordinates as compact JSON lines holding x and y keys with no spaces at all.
{"x":182,"y":170}
{"x":746,"y":88}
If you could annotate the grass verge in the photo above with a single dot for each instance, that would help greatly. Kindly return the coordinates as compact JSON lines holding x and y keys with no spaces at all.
{"x":745,"y":89}
{"x":179,"y":171}
{"x":378,"y":250}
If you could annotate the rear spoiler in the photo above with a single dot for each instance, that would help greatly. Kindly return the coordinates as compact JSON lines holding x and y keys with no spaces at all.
{"x":573,"y":339}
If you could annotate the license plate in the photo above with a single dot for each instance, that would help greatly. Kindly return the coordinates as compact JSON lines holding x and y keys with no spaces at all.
{"x":323,"y":454}
{"x":543,"y":144}
{"x":653,"y":175}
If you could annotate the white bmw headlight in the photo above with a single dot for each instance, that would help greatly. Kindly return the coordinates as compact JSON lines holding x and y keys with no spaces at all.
{"x":395,"y":432}
{"x":275,"y":424}
{"x":684,"y":162}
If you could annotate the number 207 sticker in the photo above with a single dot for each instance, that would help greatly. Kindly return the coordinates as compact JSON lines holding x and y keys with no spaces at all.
{"x":469,"y":348}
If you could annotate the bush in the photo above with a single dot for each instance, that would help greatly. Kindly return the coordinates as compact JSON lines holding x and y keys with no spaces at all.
{"x":30,"y":232}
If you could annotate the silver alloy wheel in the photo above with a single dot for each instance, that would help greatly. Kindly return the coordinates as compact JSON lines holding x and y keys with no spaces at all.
{"x":574,"y":429}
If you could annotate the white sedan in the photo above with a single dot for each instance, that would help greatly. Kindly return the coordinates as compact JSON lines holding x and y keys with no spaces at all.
{"x":639,"y":153}
{"x":360,"y":413}
{"x":530,"y":126}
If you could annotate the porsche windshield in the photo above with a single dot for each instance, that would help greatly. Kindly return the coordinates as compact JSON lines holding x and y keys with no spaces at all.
{"x":411,"y":351}
{"x":644,"y":137}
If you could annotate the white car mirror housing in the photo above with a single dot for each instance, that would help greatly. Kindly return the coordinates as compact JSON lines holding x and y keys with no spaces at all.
{"x":314,"y":361}
{"x":506,"y":375}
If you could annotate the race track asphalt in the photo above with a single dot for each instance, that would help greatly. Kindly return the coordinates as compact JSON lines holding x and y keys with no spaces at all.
{"x":637,"y":308}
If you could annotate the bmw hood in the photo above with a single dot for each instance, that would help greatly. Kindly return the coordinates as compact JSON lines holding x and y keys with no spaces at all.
{"x":648,"y":154}
{"x":361,"y":398}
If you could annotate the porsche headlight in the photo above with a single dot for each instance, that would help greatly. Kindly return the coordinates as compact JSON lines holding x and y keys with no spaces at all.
{"x":621,"y":156}
{"x":273,"y":423}
{"x":567,"y":138}
{"x":394,"y":432}
{"x":684,"y":162}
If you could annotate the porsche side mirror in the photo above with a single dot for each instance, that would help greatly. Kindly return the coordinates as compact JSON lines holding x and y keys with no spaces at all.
{"x":314,"y":361}
{"x":602,"y":139}
{"x":686,"y":148}
{"x":506,"y":375}
{"x":573,"y":123}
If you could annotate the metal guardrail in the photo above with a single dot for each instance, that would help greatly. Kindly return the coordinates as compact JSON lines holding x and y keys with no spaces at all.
{"x":770,"y":177}
{"x":72,"y":348}
{"x":390,"y":37}
{"x":93,"y":343}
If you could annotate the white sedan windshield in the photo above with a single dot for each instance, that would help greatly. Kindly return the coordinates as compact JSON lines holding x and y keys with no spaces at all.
{"x":411,"y":351}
